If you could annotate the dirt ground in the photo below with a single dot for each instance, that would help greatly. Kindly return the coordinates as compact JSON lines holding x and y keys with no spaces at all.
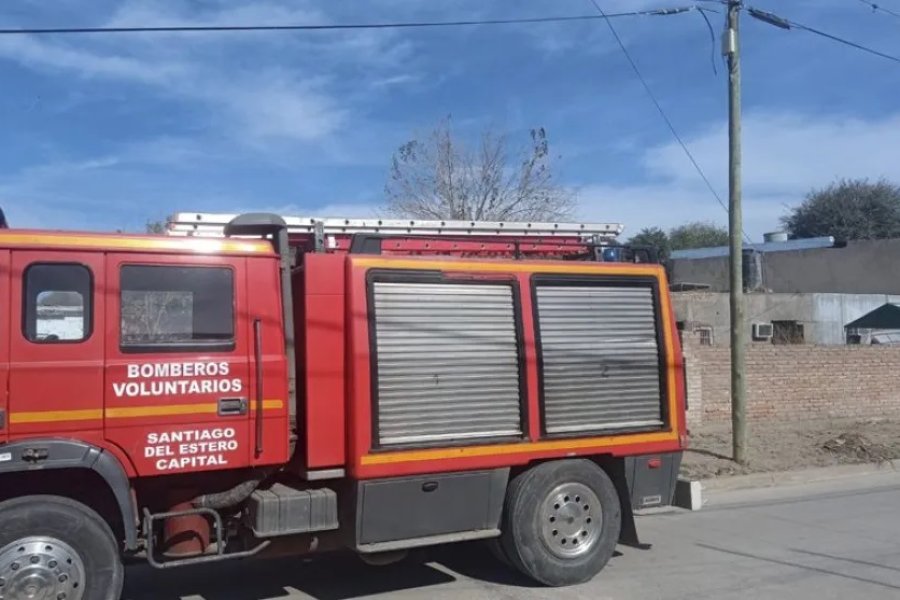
{"x":798,"y":446}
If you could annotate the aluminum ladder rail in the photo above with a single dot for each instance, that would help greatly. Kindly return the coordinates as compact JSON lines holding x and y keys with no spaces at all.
{"x":213,"y":224}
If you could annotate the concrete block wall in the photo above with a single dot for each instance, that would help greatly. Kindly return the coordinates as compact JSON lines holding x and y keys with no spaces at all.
{"x":694,"y":380}
{"x":792,"y":383}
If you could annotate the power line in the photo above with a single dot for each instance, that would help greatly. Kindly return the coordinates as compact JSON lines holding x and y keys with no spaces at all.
{"x":783,"y":23}
{"x":338,"y":26}
{"x":878,"y":8}
{"x":846,"y":42}
{"x":662,"y":112}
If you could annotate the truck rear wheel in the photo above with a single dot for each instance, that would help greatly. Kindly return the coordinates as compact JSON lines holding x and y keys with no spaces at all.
{"x":561,"y":522}
{"x":54,"y":547}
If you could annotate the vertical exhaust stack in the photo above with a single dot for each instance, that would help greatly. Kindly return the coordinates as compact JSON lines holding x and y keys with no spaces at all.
{"x":274,"y":228}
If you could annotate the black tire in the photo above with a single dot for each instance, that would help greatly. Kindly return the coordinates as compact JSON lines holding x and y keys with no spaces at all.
{"x":495,"y":546}
{"x":73,"y":524}
{"x":384,"y":559}
{"x":540,"y":553}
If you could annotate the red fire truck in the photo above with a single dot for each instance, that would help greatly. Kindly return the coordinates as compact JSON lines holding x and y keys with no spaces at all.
{"x":253,"y":385}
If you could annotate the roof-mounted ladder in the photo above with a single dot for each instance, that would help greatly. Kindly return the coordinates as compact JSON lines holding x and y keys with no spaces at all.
{"x":498,"y":239}
{"x":213,"y":224}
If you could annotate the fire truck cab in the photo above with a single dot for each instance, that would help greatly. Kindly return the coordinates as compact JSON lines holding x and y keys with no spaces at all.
{"x":251,"y":385}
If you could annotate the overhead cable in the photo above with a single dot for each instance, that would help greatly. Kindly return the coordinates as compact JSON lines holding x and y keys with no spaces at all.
{"x":879,"y":8}
{"x":783,"y":23}
{"x":333,"y":26}
{"x":662,"y":112}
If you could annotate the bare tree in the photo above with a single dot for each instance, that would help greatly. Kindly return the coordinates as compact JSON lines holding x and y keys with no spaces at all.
{"x":156,"y":227}
{"x":440,"y":178}
{"x":155,"y":316}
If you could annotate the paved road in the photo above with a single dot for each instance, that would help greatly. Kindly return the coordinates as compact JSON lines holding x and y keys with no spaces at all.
{"x":832,"y":540}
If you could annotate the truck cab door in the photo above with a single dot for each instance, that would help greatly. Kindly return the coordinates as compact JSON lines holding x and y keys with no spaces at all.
{"x":178,"y":389}
{"x":55,"y":335}
{"x":4,"y":345}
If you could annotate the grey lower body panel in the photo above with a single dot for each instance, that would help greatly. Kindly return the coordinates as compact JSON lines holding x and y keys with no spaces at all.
{"x":651,"y":479}
{"x":431,"y":540}
{"x":406,"y":512}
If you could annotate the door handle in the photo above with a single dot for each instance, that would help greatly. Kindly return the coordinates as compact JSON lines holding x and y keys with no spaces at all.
{"x":257,"y":360}
{"x":232,"y":407}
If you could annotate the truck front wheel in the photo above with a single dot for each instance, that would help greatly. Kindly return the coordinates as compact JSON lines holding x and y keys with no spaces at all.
{"x":54,"y":547}
{"x":561,"y":522}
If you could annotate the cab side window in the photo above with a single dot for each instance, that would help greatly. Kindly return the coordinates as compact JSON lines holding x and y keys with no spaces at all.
{"x":171,"y":308}
{"x":58,"y":300}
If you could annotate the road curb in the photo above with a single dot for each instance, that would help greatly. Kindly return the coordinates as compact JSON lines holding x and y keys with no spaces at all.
{"x":688,"y":494}
{"x":780,"y":478}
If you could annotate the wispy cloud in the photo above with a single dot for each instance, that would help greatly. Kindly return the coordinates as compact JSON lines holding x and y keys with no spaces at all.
{"x":348,"y":210}
{"x":61,"y":57}
{"x":785,"y":155}
{"x":106,"y":131}
{"x":233,"y":75}
{"x":262,"y":103}
{"x":43,"y":195}
{"x":593,"y":37}
{"x":789,"y":152}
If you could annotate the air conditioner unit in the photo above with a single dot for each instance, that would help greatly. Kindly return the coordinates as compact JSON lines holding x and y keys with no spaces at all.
{"x":763,"y":331}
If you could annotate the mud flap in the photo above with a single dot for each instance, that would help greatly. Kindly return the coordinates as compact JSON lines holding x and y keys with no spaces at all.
{"x":628,"y":535}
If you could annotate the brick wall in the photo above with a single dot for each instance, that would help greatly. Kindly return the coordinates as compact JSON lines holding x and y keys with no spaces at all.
{"x":791,"y":383}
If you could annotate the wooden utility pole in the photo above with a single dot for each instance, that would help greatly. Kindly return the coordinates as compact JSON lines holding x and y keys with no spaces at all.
{"x":731,"y":49}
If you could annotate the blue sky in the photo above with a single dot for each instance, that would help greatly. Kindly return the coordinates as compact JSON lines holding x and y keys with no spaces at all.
{"x":106,"y":132}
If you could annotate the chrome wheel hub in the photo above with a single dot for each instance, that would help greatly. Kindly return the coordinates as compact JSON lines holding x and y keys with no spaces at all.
{"x":40,"y":568}
{"x":571,"y":520}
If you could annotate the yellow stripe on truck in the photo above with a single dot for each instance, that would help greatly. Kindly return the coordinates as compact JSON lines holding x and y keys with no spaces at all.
{"x":179,"y":409}
{"x":646,"y":269}
{"x":129,"y":412}
{"x":52,"y":416}
{"x":112,"y":243}
{"x":520,"y":448}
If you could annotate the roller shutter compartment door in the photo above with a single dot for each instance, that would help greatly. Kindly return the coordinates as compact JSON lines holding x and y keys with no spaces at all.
{"x":447,"y":363}
{"x":601,"y":360}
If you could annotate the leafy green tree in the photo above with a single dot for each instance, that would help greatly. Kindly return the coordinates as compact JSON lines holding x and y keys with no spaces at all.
{"x":697,"y":234}
{"x":848,"y":209}
{"x":653,"y":237}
